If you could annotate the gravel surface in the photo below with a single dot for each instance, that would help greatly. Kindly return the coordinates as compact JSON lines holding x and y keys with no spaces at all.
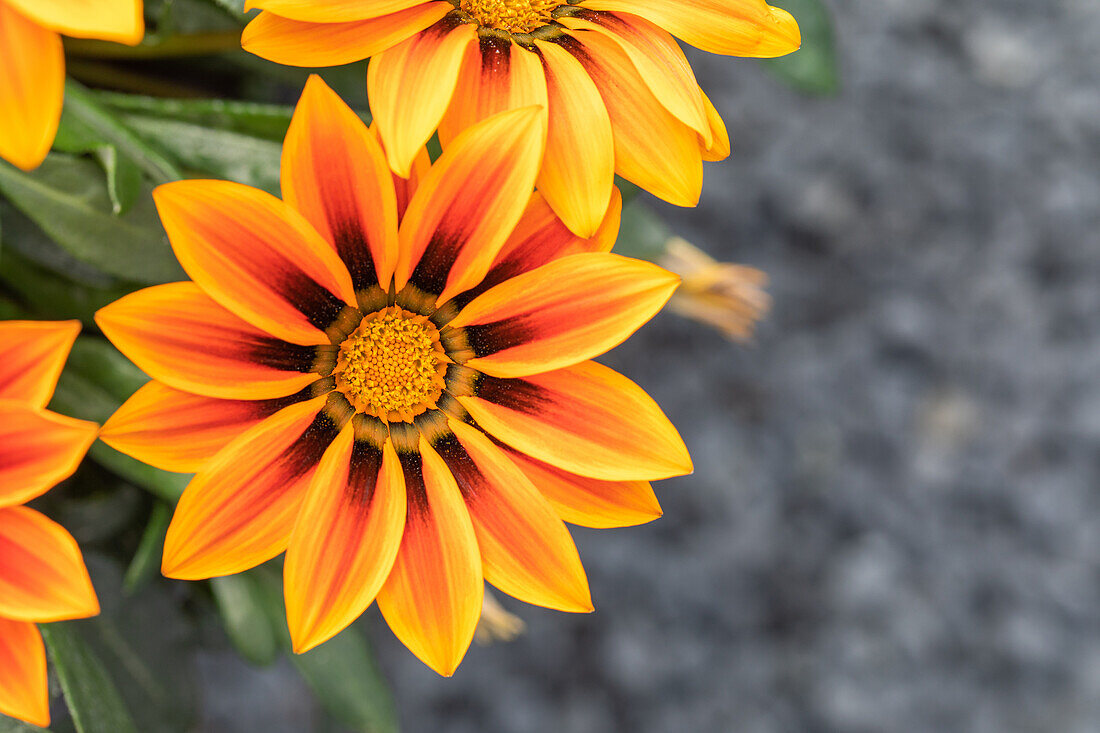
{"x":892,"y":526}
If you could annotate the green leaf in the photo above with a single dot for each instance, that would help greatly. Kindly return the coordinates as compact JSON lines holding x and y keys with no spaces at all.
{"x":146,"y":560}
{"x":11,"y":725}
{"x":814,"y":68}
{"x":123,"y":174}
{"x":91,"y":696}
{"x":51,"y":296}
{"x":66,"y":198}
{"x":265,"y":121}
{"x":642,"y":234}
{"x":242,"y":603}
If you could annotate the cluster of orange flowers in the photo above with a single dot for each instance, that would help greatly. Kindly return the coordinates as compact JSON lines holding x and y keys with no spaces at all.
{"x":387,"y":374}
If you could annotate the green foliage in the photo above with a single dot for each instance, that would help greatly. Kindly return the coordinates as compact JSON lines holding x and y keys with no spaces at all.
{"x":814,"y":68}
{"x":92,"y":697}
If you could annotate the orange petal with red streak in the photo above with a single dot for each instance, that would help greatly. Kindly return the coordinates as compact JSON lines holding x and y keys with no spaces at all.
{"x":32,"y":87}
{"x":24,"y":691}
{"x":32,"y":355}
{"x":38,"y":450}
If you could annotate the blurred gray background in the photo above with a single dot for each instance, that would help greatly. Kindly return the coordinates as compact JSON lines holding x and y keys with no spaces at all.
{"x":893,"y":523}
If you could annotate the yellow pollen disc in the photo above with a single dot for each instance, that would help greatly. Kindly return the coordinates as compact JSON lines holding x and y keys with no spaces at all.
{"x":513,"y":16}
{"x":392,"y":366}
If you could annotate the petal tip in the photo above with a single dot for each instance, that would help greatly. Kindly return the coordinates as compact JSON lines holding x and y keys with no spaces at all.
{"x":784,"y":35}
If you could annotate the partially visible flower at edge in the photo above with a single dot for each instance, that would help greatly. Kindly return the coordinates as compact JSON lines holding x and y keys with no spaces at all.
{"x":621,"y":96}
{"x":393,"y":386}
{"x":42,"y":573}
{"x":497,"y":623}
{"x":32,"y":64}
{"x":726,"y":296}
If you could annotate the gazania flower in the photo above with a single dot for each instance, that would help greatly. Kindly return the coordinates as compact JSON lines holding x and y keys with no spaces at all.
{"x":42,"y":573}
{"x":399,"y":396}
{"x":32,"y":64}
{"x":621,"y":96}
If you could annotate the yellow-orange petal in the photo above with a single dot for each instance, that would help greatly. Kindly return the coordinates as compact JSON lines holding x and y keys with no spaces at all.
{"x":345,"y":540}
{"x":542,"y":237}
{"x":32,"y":355}
{"x":334,"y":172}
{"x":42,"y":573}
{"x":587,"y":419}
{"x":38,"y":449}
{"x":180,"y":431}
{"x":332,"y":11}
{"x":526,"y":551}
{"x":652,"y":148}
{"x":731,"y":27}
{"x":658,"y":58}
{"x":579,"y":169}
{"x":302,"y":43}
{"x":32,"y":87}
{"x":469,"y":202}
{"x":719,"y":147}
{"x":496,"y":76}
{"x":178,"y":335}
{"x":432,"y":598}
{"x":590,"y":502}
{"x":24,"y":692}
{"x":121,"y":21}
{"x":562,"y":313}
{"x":256,"y":256}
{"x":410,"y":86}
{"x":239,"y":511}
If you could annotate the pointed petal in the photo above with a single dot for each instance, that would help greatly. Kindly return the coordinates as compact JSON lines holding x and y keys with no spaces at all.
{"x":469,"y":203}
{"x":38,"y":450}
{"x":730,"y":27}
{"x":526,"y":551}
{"x":432,"y":598}
{"x":32,"y":355}
{"x":332,"y":11}
{"x":497,"y":75}
{"x":256,"y":256}
{"x":179,"y":431}
{"x":406,"y":187}
{"x":121,"y":21}
{"x":410,"y":86}
{"x":334,"y":172}
{"x":240,"y":510}
{"x":345,"y":540}
{"x":302,"y":43}
{"x":178,"y":335}
{"x":562,"y":313}
{"x":42,"y":573}
{"x":652,"y":148}
{"x":579,"y":170}
{"x":658,"y":59}
{"x":589,"y":502}
{"x":587,"y":419}
{"x":24,"y":692}
{"x":32,"y":86}
{"x":719,"y":148}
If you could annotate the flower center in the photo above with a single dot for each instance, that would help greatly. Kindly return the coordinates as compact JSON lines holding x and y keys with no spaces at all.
{"x":513,"y":16}
{"x":392,"y":366}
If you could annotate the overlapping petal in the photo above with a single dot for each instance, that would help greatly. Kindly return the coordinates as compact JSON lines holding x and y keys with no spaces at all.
{"x":257,"y":257}
{"x":432,"y":597}
{"x":587,"y":419}
{"x":24,"y":692}
{"x":241,"y":509}
{"x":38,"y":449}
{"x":178,"y":335}
{"x":562,"y":313}
{"x":42,"y":573}
{"x":32,"y":355}
{"x":32,"y":84}
{"x":332,"y":11}
{"x":108,"y":20}
{"x":345,"y":540}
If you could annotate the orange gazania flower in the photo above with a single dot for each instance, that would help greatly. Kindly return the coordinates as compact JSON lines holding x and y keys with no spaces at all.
{"x":621,"y":96}
{"x":393,"y":386}
{"x":32,"y":64}
{"x":42,"y":573}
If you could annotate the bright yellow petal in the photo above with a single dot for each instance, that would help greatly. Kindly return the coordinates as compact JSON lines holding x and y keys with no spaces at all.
{"x":719,"y":148}
{"x":32,"y":355}
{"x":345,"y":541}
{"x":38,"y":450}
{"x":32,"y":86}
{"x":108,"y":20}
{"x":432,"y":598}
{"x":301,"y":43}
{"x":587,"y":419}
{"x":24,"y":693}
{"x":332,"y":11}
{"x":731,"y":27}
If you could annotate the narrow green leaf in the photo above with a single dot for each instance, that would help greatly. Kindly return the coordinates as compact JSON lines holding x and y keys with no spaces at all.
{"x":642,"y":234}
{"x":123,"y":174}
{"x":146,"y":560}
{"x":265,"y":121}
{"x":241,"y":602}
{"x":91,"y":696}
{"x":814,"y":68}
{"x":50,"y":296}
{"x":11,"y":725}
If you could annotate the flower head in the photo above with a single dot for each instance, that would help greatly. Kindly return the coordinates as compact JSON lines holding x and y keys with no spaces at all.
{"x":42,"y":573}
{"x":32,"y":64}
{"x":393,"y":385}
{"x":620,"y":94}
